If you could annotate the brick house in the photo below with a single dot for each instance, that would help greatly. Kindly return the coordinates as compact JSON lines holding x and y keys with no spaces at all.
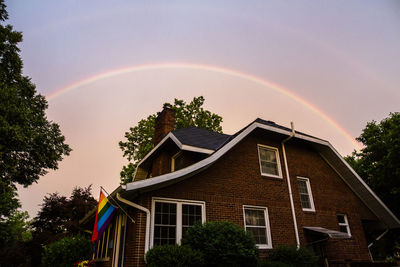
{"x":284,"y":186}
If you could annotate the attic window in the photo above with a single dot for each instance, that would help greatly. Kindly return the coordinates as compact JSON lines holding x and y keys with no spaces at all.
{"x":269,"y":161}
{"x":306,"y":199}
{"x":177,"y":161}
{"x":343,"y":223}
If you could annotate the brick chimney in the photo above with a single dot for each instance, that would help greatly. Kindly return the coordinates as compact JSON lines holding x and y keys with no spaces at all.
{"x":165,"y":123}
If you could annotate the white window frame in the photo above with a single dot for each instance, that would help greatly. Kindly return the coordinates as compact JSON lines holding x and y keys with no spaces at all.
{"x":346,"y":222}
{"x":267,"y":226}
{"x":278,"y":162}
{"x":310,"y":196}
{"x":179,"y":203}
{"x":173,"y":160}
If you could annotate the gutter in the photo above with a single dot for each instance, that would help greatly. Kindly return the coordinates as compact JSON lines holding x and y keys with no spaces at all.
{"x":296,"y":230}
{"x":147,"y":236}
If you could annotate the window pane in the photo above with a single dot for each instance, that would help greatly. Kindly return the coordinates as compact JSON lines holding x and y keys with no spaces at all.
{"x":191,"y":214}
{"x":305,"y":202}
{"x":259,"y":234}
{"x":254,"y":217}
{"x":340,"y":218}
{"x":165,"y":223}
{"x":302,"y":186}
{"x":178,"y":162}
{"x":343,"y":229}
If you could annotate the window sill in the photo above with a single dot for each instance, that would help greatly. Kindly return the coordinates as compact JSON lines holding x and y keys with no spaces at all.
{"x":263,"y":247}
{"x":271,"y":176}
{"x":309,"y":211}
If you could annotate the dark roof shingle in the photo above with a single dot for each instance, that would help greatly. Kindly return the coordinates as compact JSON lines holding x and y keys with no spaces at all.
{"x":200,"y":138}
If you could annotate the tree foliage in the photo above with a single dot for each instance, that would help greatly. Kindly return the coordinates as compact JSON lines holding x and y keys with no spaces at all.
{"x":378,"y":163}
{"x":139,"y":139}
{"x":30,"y":144}
{"x":59,"y":214}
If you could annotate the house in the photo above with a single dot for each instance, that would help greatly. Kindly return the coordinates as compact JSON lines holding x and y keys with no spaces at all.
{"x":284,"y":186}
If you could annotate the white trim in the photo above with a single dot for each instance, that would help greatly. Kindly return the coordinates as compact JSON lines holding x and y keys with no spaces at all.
{"x":267,"y":225}
{"x":197,"y":149}
{"x":346,"y":223}
{"x":212,"y":158}
{"x":278,"y":162}
{"x":181,"y":146}
{"x":393,"y":220}
{"x":173,"y":160}
{"x":178,"y":203}
{"x":309,"y":192}
{"x":360,"y":180}
{"x":169,"y":135}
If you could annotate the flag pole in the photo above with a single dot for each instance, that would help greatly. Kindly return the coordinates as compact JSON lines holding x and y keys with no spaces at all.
{"x":117,"y":204}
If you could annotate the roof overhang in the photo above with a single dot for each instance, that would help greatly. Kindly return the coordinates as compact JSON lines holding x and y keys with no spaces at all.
{"x":327,"y":232}
{"x":326,"y":150}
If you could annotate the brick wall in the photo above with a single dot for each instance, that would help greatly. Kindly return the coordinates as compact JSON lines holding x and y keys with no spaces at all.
{"x":235,"y":180}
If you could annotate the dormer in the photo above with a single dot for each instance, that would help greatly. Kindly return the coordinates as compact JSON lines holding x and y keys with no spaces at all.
{"x":176,"y":149}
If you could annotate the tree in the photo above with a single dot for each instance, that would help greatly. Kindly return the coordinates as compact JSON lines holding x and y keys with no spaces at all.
{"x":139,"y":139}
{"x":61,"y":215}
{"x":30,"y":144}
{"x":378,"y":162}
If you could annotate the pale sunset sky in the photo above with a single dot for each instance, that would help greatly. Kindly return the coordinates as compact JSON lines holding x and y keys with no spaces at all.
{"x":329,"y":66}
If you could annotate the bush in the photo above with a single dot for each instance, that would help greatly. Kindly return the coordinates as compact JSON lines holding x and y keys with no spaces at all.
{"x":174,"y":256}
{"x":222,"y":244}
{"x":292,"y":256}
{"x":66,"y":251}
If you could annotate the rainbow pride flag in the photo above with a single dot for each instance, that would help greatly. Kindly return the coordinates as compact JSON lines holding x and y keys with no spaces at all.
{"x":104,"y":215}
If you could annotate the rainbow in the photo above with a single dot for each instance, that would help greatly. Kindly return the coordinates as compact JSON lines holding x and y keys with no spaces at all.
{"x":210,"y":68}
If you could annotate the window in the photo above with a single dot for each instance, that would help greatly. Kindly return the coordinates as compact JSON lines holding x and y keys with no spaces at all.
{"x":177,"y":161}
{"x":256,"y":221}
{"x":172,"y":218}
{"x":343,"y":223}
{"x":306,"y":199}
{"x":269,"y":161}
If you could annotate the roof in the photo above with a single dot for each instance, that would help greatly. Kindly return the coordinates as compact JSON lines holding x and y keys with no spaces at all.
{"x":324,"y":148}
{"x":198,"y":137}
{"x":330,"y":233}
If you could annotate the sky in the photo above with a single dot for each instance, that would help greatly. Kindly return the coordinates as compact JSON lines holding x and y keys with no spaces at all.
{"x":328,"y":66}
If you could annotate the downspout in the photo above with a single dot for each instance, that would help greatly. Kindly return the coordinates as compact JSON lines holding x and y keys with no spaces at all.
{"x":147,"y":236}
{"x":373,"y":242}
{"x":296,"y":231}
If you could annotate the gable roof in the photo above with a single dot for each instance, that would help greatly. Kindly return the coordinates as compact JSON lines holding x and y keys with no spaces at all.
{"x":325,"y":149}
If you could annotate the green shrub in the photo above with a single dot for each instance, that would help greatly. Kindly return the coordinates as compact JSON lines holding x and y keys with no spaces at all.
{"x":174,"y":256}
{"x":292,"y":256}
{"x":222,"y":244}
{"x":66,"y":251}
